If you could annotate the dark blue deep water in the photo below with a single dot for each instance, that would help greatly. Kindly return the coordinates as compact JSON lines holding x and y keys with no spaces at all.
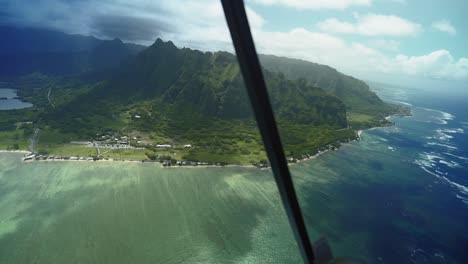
{"x":401,"y":194}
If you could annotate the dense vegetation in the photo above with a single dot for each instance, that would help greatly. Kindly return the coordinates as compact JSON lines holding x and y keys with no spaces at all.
{"x":355,"y":93}
{"x":167,"y":95}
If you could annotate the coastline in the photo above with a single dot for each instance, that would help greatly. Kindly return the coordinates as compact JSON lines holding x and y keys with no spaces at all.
{"x":14,"y":151}
{"x":189,"y":164}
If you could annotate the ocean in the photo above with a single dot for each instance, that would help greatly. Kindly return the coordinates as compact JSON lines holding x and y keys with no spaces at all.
{"x":397,"y":196}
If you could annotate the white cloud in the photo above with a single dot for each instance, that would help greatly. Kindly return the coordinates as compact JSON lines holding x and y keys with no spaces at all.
{"x":200,"y":24}
{"x":438,"y":64}
{"x":444,"y":26}
{"x":372,"y":25}
{"x":352,"y":57}
{"x":316,"y":4}
{"x":255,"y":20}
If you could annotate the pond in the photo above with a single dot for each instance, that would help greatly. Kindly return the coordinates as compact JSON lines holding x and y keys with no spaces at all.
{"x":8,"y":100}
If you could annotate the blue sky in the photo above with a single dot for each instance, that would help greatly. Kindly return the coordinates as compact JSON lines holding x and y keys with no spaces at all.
{"x":372,"y":39}
{"x":396,"y":38}
{"x":419,"y":12}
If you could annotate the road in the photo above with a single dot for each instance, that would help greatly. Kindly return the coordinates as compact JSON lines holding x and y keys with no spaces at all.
{"x":34,"y":139}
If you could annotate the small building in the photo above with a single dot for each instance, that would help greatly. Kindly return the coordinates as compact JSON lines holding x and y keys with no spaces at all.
{"x":29,"y":156}
{"x":163,"y":146}
{"x":137,"y":116}
{"x":187,"y":146}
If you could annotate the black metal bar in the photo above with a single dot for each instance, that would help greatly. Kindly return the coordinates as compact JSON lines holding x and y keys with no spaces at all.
{"x":236,"y":18}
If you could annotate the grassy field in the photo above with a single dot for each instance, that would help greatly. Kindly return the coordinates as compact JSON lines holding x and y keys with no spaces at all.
{"x":126,"y":154}
{"x":12,"y":139}
{"x":359,"y":121}
{"x":358,"y":117}
{"x":84,"y":151}
{"x":67,"y":150}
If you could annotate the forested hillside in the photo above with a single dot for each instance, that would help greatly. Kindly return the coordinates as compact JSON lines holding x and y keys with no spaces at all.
{"x":353,"y":92}
{"x":163,"y":94}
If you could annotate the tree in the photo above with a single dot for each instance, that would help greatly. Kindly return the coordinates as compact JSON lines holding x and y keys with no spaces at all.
{"x":151,"y":155}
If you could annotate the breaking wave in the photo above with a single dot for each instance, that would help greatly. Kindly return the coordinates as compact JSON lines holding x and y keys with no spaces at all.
{"x":433,"y":163}
{"x":441,"y":117}
{"x":401,"y":102}
{"x":455,"y":156}
{"x":451,"y":147}
{"x":445,"y":134}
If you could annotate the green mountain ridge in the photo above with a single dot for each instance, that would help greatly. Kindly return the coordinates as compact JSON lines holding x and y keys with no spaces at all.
{"x":169,"y":95}
{"x":212,"y":82}
{"x":355,"y":93}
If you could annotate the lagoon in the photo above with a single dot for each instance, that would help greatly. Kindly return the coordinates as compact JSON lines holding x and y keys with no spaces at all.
{"x":11,"y":102}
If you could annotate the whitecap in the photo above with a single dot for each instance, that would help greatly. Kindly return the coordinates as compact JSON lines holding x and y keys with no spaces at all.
{"x":455,"y":156}
{"x":428,"y":171}
{"x":451,"y":164}
{"x":453,"y":130}
{"x":401,"y":102}
{"x":428,"y":162}
{"x":441,"y":118}
{"x":432,"y":160}
{"x":464,"y":199}
{"x":442,"y":145}
{"x":462,"y":188}
{"x":441,"y":135}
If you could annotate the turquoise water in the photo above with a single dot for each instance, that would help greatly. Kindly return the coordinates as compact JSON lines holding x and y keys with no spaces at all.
{"x":397,"y":196}
{"x":110,"y":212}
{"x":11,"y":103}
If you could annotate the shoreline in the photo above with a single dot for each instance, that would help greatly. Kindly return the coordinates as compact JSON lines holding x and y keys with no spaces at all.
{"x":14,"y":151}
{"x":190,"y":164}
{"x":162,"y":165}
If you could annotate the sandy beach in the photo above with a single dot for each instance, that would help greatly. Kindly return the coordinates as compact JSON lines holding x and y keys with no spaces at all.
{"x":14,"y":151}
